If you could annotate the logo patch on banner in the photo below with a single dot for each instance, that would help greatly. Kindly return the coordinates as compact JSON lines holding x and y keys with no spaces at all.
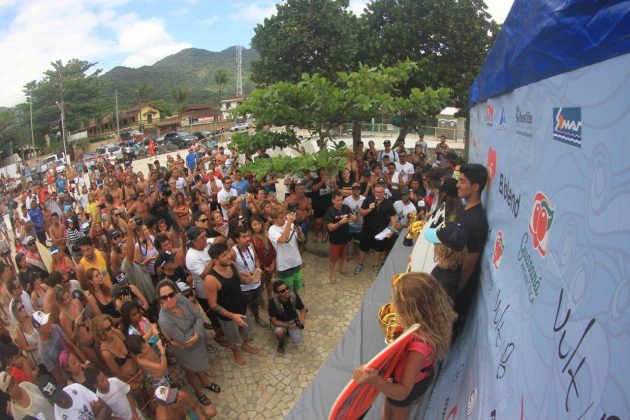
{"x":492,"y":165}
{"x":498,"y":250}
{"x":489,"y":114}
{"x":502,"y":119}
{"x":567,"y":125}
{"x":540,"y":223}
{"x":524,"y":123}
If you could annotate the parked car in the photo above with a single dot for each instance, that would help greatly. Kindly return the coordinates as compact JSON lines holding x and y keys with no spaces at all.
{"x":240,"y":126}
{"x":181,"y":139}
{"x":56,"y":160}
{"x":89,"y":159}
{"x":203,"y":134}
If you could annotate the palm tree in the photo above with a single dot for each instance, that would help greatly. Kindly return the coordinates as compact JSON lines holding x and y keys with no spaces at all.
{"x":220,"y":78}
{"x":180,"y":95}
{"x":142,"y":92}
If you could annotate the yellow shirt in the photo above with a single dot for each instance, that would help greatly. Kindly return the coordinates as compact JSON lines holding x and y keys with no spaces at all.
{"x":95,"y":212}
{"x":100,"y":264}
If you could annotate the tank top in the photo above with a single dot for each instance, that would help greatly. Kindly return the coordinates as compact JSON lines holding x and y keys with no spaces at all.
{"x":230,"y":296}
{"x":99,"y":264}
{"x":246,"y":261}
{"x":146,"y":252}
{"x":32,"y":339}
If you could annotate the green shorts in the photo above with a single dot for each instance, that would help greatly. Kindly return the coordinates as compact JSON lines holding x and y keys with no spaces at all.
{"x":292,"y":278}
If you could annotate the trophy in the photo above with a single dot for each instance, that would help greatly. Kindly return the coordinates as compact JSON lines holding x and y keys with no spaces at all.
{"x":411,"y":218}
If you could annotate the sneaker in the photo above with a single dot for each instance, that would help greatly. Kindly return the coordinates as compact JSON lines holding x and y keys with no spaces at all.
{"x":358,"y":269}
{"x":280,"y":348}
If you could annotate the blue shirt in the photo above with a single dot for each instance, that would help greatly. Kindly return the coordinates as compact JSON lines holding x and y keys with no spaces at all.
{"x":37,"y":217}
{"x":61,"y":185}
{"x":191,"y":160}
{"x":241,"y":187}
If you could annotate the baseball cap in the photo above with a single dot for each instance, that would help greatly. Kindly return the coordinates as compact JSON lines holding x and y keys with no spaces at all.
{"x":381,"y":181}
{"x":164,"y":257}
{"x":404,"y":191}
{"x":356,"y":185}
{"x":451,"y":234}
{"x":183,"y":287}
{"x":54,"y":250}
{"x":5,"y":380}
{"x":193,"y":233}
{"x":49,"y":387}
{"x":422,"y":204}
{"x":41,"y":317}
{"x":387,"y":142}
{"x":28,"y":240}
{"x":165,"y":394}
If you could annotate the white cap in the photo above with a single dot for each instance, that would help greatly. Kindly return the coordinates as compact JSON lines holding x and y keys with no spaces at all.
{"x":421,"y":203}
{"x":41,"y":317}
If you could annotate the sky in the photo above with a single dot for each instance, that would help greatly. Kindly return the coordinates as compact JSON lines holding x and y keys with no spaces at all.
{"x":132,"y":33}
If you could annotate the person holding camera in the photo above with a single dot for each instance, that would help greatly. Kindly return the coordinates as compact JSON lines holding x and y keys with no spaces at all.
{"x":284,"y":236}
{"x":337,"y":218}
{"x":287,"y":314}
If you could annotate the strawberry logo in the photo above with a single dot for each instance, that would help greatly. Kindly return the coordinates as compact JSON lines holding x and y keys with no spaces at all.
{"x":540,"y":223}
{"x":498,"y":250}
{"x":492,"y":165}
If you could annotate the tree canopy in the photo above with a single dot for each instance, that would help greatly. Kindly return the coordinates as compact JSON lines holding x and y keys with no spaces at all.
{"x":305,"y":36}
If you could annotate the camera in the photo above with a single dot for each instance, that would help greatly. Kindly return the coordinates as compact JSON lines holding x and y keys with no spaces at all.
{"x":292,"y":208}
{"x":299,"y":324}
{"x":125,"y":291}
{"x":138,"y":221}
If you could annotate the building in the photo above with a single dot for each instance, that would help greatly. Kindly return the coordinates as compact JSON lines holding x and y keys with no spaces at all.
{"x":142,"y":117}
{"x":196,"y":114}
{"x":230,"y":103}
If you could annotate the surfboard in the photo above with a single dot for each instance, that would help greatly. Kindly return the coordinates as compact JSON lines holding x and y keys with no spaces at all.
{"x":422,"y":253}
{"x":355,"y":400}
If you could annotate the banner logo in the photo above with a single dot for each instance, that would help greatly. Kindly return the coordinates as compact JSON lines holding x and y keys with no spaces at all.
{"x":540,"y":223}
{"x":511,"y":199}
{"x":489,"y":114}
{"x":471,"y":402}
{"x":502,"y":119}
{"x":567,"y":125}
{"x":524,"y":123}
{"x":492,"y":165}
{"x":498,"y":250}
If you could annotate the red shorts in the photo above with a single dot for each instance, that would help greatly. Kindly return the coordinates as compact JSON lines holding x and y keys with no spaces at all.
{"x":338,"y":252}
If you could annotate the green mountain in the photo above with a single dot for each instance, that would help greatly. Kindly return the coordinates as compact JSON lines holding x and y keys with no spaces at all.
{"x":191,"y":69}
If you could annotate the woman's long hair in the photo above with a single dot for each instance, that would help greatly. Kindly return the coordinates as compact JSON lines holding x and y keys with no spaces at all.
{"x":420,"y":299}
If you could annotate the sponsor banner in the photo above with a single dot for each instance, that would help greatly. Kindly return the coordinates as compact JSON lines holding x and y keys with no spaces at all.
{"x":547,"y":335}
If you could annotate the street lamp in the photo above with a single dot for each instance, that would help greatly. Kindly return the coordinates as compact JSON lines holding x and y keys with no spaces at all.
{"x":63,"y":132}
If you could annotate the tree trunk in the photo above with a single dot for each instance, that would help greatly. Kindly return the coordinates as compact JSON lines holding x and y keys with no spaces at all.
{"x":400,"y":141}
{"x":356,"y":134}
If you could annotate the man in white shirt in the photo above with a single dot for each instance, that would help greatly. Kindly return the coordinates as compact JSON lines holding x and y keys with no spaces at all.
{"x":404,"y":169}
{"x":17,"y":293}
{"x":199,"y":263}
{"x":387,"y":151}
{"x":73,"y":401}
{"x":117,"y":395}
{"x":354,"y":201}
{"x":226,"y":196}
{"x":403,"y":207}
{"x":284,"y":237}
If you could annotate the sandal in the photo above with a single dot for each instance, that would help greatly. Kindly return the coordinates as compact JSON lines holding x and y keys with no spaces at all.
{"x":213,"y":387}
{"x":203,"y":399}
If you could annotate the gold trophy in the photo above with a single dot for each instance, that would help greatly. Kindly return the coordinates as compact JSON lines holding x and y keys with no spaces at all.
{"x":411,"y":219}
{"x":389,"y":323}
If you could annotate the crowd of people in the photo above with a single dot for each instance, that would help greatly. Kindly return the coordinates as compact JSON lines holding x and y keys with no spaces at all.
{"x":146,"y":268}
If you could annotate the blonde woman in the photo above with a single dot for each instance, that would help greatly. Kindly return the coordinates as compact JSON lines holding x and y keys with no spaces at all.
{"x":418,"y":299}
{"x":25,"y":335}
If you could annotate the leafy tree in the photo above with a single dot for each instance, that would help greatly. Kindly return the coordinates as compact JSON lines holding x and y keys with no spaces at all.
{"x":220,"y":78}
{"x":449,"y":39}
{"x":288,"y":114}
{"x":305,"y":36}
{"x":180,"y":96}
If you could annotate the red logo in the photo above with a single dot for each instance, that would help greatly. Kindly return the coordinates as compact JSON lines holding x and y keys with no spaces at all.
{"x":498,"y":250}
{"x":540,"y":222}
{"x":489,"y":113}
{"x":492,"y":165}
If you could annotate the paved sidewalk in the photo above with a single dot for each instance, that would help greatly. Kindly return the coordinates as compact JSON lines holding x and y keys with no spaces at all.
{"x":269,"y":385}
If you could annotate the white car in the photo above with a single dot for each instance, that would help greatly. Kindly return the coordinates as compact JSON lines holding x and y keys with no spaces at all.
{"x":114,"y":153}
{"x":240,"y":127}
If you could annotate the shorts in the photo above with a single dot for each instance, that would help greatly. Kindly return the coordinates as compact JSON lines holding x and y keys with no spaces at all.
{"x":292,"y":278}
{"x":417,"y":391}
{"x":294,"y":334}
{"x":235,"y":334}
{"x":337,"y":252}
{"x":367,"y":242}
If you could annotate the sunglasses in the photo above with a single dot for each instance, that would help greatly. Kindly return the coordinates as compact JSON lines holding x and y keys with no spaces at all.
{"x":286,"y":289}
{"x":203,"y":220}
{"x":164,"y":298}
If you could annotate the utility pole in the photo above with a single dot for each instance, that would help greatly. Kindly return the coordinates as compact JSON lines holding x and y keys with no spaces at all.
{"x":117,"y":126}
{"x":63,"y":131}
{"x":30,"y":103}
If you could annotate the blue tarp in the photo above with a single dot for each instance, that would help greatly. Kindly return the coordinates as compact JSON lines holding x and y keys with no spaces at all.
{"x":540,"y":39}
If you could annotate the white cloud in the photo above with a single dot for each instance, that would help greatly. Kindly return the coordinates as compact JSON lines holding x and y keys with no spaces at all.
{"x":357,"y":6}
{"x":253,"y":12}
{"x":499,"y":9}
{"x":209,"y":22}
{"x":43,"y":31}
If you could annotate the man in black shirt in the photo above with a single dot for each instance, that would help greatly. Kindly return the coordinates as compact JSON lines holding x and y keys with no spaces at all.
{"x":287,"y":314}
{"x":378,"y":213}
{"x":336,"y":220}
{"x":170,"y":270}
{"x":472,"y":180}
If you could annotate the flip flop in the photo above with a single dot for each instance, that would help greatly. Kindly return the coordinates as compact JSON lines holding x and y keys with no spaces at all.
{"x":203,"y":399}
{"x":213,"y":387}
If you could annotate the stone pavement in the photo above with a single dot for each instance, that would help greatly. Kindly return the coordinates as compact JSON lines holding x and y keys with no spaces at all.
{"x":269,"y":385}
